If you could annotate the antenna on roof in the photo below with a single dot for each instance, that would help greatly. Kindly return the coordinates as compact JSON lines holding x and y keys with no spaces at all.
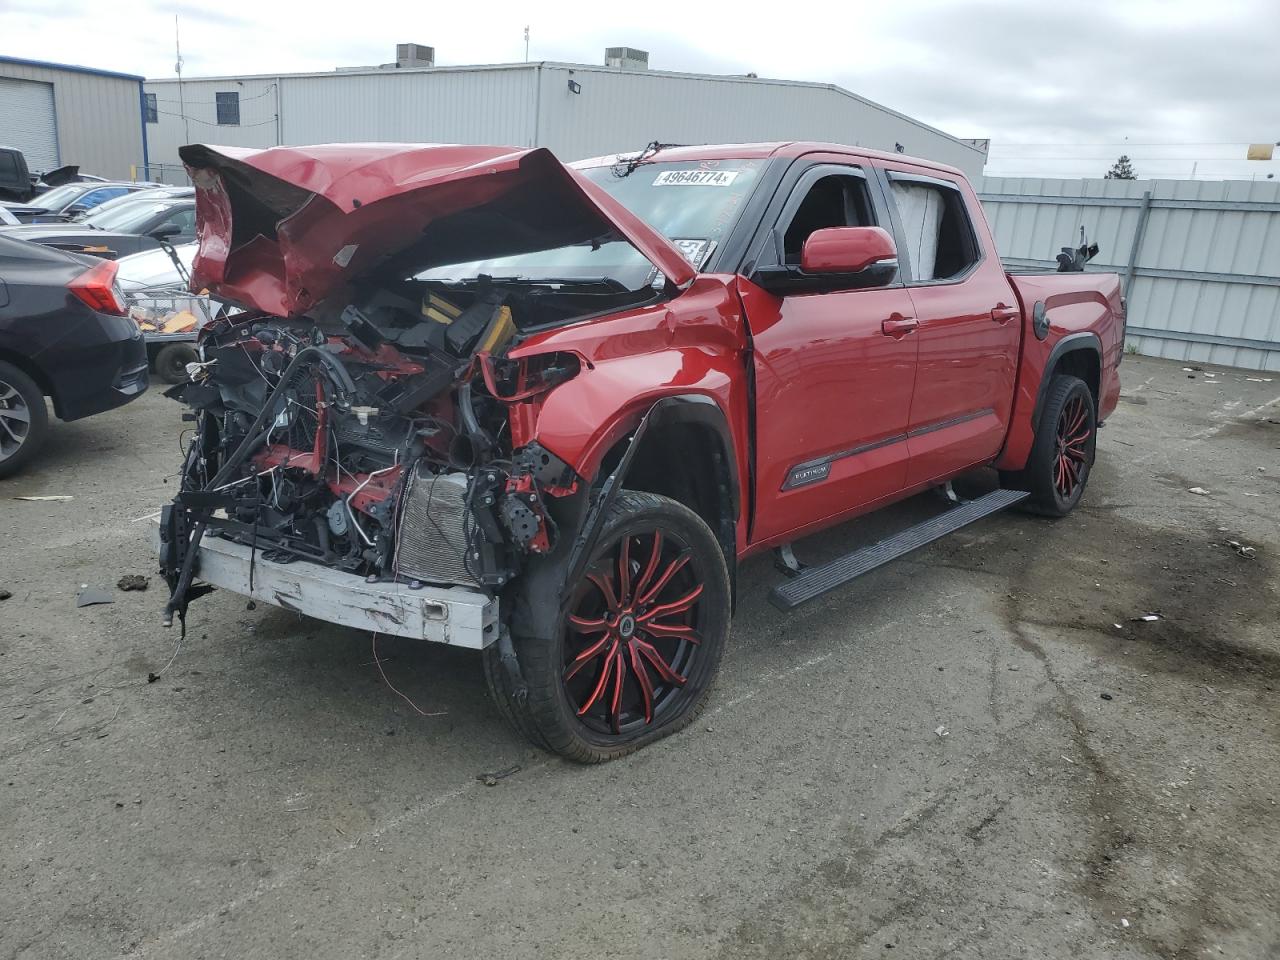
{"x":177,"y":66}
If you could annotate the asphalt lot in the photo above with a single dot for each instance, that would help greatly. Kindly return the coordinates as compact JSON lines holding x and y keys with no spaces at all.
{"x":1104,"y":786}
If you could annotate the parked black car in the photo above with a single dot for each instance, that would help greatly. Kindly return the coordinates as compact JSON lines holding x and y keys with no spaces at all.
{"x":63,"y":334}
{"x":128,"y":225}
{"x":71,"y":200}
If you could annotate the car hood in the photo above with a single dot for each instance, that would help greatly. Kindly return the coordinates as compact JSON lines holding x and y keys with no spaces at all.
{"x":282,"y":229}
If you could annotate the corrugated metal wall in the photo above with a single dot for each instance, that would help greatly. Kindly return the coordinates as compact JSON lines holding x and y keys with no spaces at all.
{"x":530,"y":104}
{"x":622,"y":111}
{"x":99,"y":117}
{"x":1205,"y":283}
{"x":493,"y":106}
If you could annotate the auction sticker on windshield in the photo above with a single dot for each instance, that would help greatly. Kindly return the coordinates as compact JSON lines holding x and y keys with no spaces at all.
{"x":695,"y":178}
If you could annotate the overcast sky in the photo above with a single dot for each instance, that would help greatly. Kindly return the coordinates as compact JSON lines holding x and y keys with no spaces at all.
{"x":1060,"y":88}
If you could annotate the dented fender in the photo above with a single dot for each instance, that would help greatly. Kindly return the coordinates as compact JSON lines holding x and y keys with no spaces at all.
{"x":691,"y":346}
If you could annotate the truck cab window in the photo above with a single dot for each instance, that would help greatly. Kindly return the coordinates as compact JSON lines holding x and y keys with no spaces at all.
{"x":833,"y":201}
{"x":935,"y":230}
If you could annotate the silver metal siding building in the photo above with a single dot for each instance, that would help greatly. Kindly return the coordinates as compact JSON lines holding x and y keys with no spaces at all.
{"x":62,"y":114}
{"x":534,"y":105}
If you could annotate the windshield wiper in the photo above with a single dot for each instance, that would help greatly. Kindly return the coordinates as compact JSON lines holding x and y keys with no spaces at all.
{"x":624,"y":168}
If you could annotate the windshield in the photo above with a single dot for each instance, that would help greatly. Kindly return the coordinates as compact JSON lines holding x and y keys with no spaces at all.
{"x":59,"y":197}
{"x":126,"y":218}
{"x":693,"y":203}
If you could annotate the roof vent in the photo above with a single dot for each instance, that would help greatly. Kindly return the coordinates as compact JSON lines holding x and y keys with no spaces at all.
{"x":626,"y":58}
{"x":414,"y":55}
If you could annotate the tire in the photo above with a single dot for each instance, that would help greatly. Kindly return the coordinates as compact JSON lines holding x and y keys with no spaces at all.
{"x":24,"y":421}
{"x":171,"y":362}
{"x":663,"y":626}
{"x":1063,"y":452}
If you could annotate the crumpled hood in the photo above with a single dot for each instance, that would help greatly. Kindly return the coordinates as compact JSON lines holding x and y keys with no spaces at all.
{"x":283,"y":228}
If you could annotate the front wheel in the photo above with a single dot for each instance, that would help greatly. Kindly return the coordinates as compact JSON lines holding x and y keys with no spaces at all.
{"x":640,"y":641}
{"x":1063,"y":452}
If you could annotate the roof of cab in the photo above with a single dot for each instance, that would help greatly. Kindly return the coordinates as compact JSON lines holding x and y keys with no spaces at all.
{"x":753,"y":151}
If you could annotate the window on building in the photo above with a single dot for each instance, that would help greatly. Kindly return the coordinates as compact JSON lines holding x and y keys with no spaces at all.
{"x":833,"y":201}
{"x":149,"y":105}
{"x":936,"y":230}
{"x":228,"y":108}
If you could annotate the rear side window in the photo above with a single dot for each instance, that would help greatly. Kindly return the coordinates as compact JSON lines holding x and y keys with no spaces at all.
{"x":936,"y":229}
{"x":8,"y":166}
{"x":832,"y":201}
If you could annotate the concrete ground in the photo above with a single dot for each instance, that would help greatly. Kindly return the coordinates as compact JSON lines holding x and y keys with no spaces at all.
{"x":981,"y":751}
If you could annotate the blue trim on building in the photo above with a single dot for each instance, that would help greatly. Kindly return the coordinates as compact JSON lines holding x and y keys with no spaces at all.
{"x":145,"y":172}
{"x":74,"y":68}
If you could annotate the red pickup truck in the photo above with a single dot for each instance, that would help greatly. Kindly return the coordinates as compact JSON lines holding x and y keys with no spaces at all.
{"x":483,"y":398}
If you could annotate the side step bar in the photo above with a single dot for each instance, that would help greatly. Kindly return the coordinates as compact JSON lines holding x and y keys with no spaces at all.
{"x":816,"y":581}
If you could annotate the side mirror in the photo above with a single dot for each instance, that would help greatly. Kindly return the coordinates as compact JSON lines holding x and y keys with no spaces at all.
{"x":845,"y":250}
{"x":76,"y":210}
{"x":836,"y":258}
{"x":165,"y":231}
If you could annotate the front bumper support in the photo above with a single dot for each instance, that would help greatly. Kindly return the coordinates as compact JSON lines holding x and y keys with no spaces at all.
{"x":453,"y":615}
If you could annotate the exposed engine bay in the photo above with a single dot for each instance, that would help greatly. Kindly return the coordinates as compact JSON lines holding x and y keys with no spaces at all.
{"x":379,"y":441}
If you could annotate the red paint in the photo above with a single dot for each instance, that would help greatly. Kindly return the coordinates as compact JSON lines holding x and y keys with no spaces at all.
{"x":337,"y":210}
{"x":903,"y":386}
{"x":886,"y":390}
{"x":846,"y":249}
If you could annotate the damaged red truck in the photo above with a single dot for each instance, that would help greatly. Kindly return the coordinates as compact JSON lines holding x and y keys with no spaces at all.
{"x":483,"y":398}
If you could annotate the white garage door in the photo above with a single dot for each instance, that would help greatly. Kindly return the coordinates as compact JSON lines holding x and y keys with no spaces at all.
{"x":27,"y":122}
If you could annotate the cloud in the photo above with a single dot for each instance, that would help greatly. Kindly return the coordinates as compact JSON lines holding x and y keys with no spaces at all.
{"x":1088,"y":72}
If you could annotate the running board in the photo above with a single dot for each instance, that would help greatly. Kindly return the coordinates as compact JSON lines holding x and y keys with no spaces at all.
{"x":815,"y":581}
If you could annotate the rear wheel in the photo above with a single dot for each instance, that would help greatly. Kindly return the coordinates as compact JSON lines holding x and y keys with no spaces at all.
{"x":639,"y":644}
{"x":1063,"y":452}
{"x":171,"y":362}
{"x":24,"y":422}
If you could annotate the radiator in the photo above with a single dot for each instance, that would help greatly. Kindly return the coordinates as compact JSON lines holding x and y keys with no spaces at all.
{"x":431,"y":540}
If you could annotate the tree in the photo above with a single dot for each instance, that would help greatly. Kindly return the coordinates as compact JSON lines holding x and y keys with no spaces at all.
{"x":1122,"y":169}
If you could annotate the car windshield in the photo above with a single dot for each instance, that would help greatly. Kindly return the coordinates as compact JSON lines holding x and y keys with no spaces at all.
{"x":125,"y":218}
{"x":693,"y":203}
{"x":59,"y":197}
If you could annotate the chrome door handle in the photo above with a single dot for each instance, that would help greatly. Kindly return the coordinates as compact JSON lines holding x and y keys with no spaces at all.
{"x":898,"y":327}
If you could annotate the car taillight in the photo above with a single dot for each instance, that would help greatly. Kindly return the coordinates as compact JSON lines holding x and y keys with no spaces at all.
{"x":97,"y":288}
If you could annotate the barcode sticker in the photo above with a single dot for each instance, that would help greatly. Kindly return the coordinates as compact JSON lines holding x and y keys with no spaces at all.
{"x":695,"y":178}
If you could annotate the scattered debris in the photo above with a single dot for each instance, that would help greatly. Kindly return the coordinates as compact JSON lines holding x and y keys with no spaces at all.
{"x":57,"y":499}
{"x":1145,"y":618}
{"x":1258,"y":379}
{"x":491,"y":779}
{"x":1068,"y":759}
{"x":88,"y":596}
{"x":1247,"y":553}
{"x":1124,"y":922}
{"x":942,"y":731}
{"x":1198,"y":491}
{"x":1117,"y":626}
{"x":133,"y":581}
{"x":4,"y":594}
{"x":1106,"y":696}
{"x":152,"y":677}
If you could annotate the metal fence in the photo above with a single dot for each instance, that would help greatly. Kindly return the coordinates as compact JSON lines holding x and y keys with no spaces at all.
{"x":1200,"y":259}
